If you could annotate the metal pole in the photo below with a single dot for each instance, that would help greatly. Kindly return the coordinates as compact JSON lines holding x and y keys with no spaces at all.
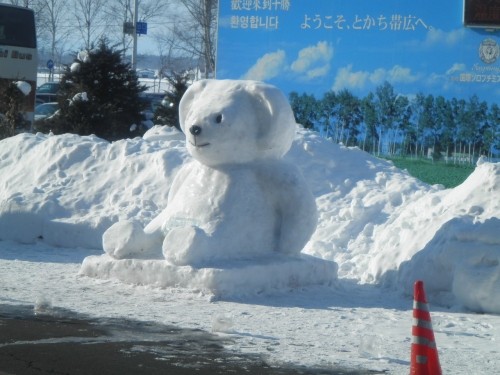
{"x":134,"y":48}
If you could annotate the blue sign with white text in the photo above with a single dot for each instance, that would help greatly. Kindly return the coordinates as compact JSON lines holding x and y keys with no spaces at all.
{"x":142,"y":28}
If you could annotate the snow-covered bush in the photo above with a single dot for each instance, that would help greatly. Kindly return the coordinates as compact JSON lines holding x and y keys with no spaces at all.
{"x":99,"y":97}
{"x":168,"y":112}
{"x":12,"y":99}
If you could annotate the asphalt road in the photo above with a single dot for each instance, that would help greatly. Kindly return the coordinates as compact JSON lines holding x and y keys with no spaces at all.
{"x":64,"y":343}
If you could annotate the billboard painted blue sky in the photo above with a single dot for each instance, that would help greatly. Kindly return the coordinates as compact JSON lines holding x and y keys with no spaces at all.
{"x":314,"y":46}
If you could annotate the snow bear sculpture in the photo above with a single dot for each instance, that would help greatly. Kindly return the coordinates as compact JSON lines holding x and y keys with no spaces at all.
{"x":238,"y":199}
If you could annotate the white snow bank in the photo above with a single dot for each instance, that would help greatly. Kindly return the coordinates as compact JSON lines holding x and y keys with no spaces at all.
{"x":378,"y":223}
{"x":412,"y":227}
{"x":69,"y":189}
{"x":463,"y":258}
{"x":443,"y":238}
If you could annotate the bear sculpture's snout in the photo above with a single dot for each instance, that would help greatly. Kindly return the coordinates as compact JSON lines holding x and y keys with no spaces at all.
{"x":195,"y":130}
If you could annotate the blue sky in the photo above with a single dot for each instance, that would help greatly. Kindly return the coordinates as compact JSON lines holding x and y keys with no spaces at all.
{"x":317,"y":45}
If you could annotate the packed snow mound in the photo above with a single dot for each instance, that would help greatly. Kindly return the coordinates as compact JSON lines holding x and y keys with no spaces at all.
{"x":454,"y":245}
{"x":378,"y":223}
{"x":67,"y":189}
{"x":356,"y":193}
{"x":463,"y":258}
{"x":413,"y":228}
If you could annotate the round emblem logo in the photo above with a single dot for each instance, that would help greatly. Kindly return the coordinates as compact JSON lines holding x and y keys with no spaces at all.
{"x":489,"y":51}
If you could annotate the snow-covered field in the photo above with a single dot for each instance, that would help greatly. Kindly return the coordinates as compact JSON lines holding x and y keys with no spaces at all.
{"x":383,"y":228}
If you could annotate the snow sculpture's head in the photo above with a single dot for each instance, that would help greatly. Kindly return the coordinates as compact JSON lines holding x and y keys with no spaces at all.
{"x":231,"y":121}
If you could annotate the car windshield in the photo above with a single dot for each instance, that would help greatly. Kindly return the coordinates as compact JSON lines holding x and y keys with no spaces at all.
{"x":152,"y":100}
{"x":51,"y":88}
{"x":46,"y":109}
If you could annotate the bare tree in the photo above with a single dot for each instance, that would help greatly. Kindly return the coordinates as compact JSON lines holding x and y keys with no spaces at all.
{"x":166,"y":45}
{"x":152,"y":10}
{"x":52,"y":16}
{"x":120,"y":11}
{"x":24,"y":3}
{"x":89,"y":16}
{"x":198,"y":33}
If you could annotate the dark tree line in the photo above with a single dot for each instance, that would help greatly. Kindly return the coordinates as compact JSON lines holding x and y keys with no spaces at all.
{"x":384,"y":122}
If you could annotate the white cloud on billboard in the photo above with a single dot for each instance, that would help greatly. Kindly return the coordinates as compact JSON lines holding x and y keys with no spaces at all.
{"x":456,"y":68}
{"x":400,"y":74}
{"x":440,"y":37}
{"x":318,"y":72}
{"x":348,"y":79}
{"x":268,"y":66}
{"x":313,"y":61}
{"x":445,"y":80}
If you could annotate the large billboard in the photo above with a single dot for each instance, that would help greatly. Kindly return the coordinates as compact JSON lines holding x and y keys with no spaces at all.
{"x":314,"y":46}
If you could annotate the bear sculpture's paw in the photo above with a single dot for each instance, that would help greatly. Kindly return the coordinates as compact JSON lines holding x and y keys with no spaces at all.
{"x":186,"y":246}
{"x":127,"y":240}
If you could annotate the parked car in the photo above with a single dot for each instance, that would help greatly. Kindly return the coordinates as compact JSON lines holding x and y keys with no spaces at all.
{"x":46,"y":110}
{"x":151,"y":102}
{"x":146,"y":73}
{"x":47,"y":92}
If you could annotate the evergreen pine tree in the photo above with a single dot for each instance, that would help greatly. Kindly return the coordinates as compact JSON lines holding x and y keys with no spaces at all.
{"x":99,"y":95}
{"x":168,"y":114}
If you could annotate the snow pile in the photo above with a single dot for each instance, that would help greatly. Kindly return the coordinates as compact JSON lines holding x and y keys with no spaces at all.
{"x":355,"y":193}
{"x":462,"y":254}
{"x":462,"y":257}
{"x":444,"y":238}
{"x":411,"y":229}
{"x":67,"y":190}
{"x":378,"y":223}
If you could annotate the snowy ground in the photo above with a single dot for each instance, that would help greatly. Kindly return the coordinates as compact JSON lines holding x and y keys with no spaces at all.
{"x":385,"y":229}
{"x":347,"y":325}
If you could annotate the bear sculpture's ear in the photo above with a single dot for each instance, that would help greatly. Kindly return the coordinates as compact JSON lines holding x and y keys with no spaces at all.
{"x":276,"y":121}
{"x":187,"y":99}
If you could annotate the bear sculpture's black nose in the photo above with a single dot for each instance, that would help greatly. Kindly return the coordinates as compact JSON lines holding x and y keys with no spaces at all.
{"x":195,"y":130}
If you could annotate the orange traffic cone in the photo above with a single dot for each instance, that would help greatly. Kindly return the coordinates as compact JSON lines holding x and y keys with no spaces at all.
{"x":424,"y":355}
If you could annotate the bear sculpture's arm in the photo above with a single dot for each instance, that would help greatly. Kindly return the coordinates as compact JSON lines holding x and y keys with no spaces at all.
{"x":294,"y":203}
{"x":155,"y":225}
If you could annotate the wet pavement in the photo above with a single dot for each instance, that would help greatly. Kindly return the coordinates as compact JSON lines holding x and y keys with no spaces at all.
{"x":63,"y":342}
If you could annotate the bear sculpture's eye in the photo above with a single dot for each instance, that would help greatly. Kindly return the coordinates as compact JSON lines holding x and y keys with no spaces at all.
{"x":218,"y":119}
